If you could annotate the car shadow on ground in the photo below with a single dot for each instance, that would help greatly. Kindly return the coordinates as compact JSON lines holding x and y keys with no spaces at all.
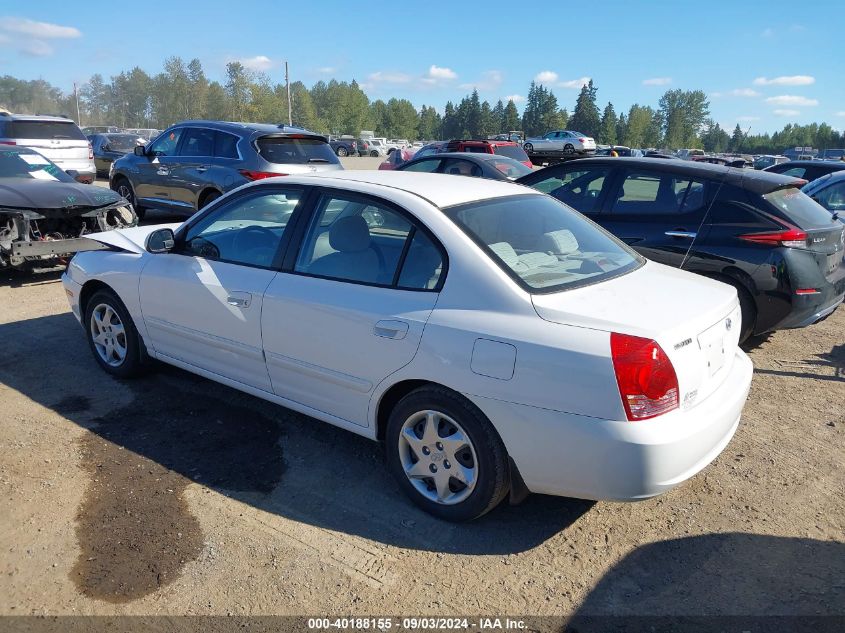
{"x":834,"y":361}
{"x":241,"y":446}
{"x":715,"y":581}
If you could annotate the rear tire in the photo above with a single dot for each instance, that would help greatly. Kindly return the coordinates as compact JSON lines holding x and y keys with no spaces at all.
{"x":341,"y":151}
{"x":374,"y":154}
{"x":209,"y":198}
{"x":568,"y":149}
{"x":528,"y":147}
{"x":446,"y":455}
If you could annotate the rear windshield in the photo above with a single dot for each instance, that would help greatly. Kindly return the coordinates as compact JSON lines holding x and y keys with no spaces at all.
{"x":509,"y":167}
{"x":122,"y":142}
{"x":44,"y":130}
{"x":285,"y":150}
{"x":511,"y":151}
{"x":25,"y":164}
{"x":543,"y":244}
{"x":799,"y":208}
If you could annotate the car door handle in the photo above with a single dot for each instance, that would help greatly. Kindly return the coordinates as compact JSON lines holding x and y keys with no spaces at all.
{"x":202,"y":170}
{"x":685,"y":234}
{"x":162,"y":172}
{"x":391,"y":329}
{"x":239,"y":299}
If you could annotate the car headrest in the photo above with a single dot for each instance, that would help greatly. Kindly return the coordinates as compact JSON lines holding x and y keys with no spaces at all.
{"x":350,"y":234}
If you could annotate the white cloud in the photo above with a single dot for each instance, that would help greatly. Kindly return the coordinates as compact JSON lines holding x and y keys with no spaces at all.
{"x":490,"y":80}
{"x":785,"y":80}
{"x":327,"y":70}
{"x":520,"y":99}
{"x":551,"y":78}
{"x":259,"y":63}
{"x":744,"y":92}
{"x":792,"y":100}
{"x":787,"y":112}
{"x":438,"y":73}
{"x":40,"y":30}
{"x":382,"y":77}
{"x":657,"y":81}
{"x":546,"y":77}
{"x":840,"y":113}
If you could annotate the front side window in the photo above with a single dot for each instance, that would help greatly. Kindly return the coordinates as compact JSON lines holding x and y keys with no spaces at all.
{"x":245,"y":231}
{"x":579,"y":188}
{"x":198,"y":142}
{"x":645,"y":193}
{"x":358,"y":239}
{"x":427,"y":166}
{"x":832,"y":198}
{"x":166,"y":144}
{"x":541,"y":243}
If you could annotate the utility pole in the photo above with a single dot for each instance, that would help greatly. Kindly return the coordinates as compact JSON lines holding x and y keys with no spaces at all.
{"x":76,"y":95}
{"x":287,"y":84}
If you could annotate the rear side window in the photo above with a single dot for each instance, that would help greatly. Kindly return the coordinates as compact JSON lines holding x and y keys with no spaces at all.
{"x":225,"y":145}
{"x":428,"y":166}
{"x":658,"y":193}
{"x":198,"y":142}
{"x":57,"y":130}
{"x":300,"y":151}
{"x":511,"y":151}
{"x":798,"y":208}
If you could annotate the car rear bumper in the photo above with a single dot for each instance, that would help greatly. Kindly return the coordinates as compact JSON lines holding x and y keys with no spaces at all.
{"x":577,"y":456}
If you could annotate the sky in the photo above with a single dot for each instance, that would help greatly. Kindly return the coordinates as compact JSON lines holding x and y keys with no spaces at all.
{"x":762,"y":64}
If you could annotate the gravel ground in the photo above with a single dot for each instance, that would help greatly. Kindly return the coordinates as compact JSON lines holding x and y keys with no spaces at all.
{"x":174,"y":495}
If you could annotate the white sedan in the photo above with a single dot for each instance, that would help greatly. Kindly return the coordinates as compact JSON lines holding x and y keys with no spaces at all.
{"x":494,"y":339}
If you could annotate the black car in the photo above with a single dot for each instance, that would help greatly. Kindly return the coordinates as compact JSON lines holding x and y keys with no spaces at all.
{"x":753,"y":230}
{"x":109,"y":147}
{"x":490,"y":166}
{"x":44,"y":211}
{"x":344,"y":146}
{"x":806,"y":169}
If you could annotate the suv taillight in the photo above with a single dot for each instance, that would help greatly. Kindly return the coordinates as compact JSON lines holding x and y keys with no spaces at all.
{"x":258,"y":175}
{"x":90,"y":152}
{"x":647,"y":381}
{"x":787,"y":237}
{"x":10,"y":143}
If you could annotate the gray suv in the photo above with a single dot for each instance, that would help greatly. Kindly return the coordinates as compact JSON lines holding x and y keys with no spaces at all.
{"x":194,"y":162}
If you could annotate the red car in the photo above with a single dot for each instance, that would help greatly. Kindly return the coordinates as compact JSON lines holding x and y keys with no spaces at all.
{"x":396,"y":158}
{"x":502,"y":148}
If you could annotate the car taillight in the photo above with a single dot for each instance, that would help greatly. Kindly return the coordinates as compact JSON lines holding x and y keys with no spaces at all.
{"x":249,"y":174}
{"x":90,"y":152}
{"x":647,"y":381}
{"x":10,"y":143}
{"x":580,"y":140}
{"x":786,"y":237}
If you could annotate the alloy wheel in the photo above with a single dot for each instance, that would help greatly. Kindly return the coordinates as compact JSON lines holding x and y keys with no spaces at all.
{"x":108,"y":335}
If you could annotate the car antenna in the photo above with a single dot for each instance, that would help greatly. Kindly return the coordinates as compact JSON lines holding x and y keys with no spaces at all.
{"x":706,"y":213}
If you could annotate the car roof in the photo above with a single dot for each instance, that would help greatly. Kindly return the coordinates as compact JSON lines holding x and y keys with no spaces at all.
{"x":235,"y":126}
{"x":440,"y":189}
{"x":756,"y":181}
{"x":49,"y":118}
{"x":811,"y":163}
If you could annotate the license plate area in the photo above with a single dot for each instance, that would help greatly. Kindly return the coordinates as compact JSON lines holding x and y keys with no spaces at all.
{"x":712,"y":343}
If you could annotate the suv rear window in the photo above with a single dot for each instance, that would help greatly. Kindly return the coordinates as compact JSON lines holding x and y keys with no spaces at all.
{"x":44,"y":130}
{"x":287,"y":150}
{"x":511,"y":151}
{"x":798,"y":208}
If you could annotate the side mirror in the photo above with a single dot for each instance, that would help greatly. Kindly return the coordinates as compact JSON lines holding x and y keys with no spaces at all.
{"x":160,"y":241}
{"x":140,"y":150}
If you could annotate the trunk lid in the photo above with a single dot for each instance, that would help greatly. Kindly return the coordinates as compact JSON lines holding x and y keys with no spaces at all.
{"x":694,"y":319}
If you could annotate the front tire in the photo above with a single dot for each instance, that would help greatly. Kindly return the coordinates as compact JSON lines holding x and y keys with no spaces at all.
{"x":568,"y":149}
{"x":112,"y":335}
{"x":528,"y":147}
{"x":446,"y":455}
{"x":341,"y":151}
{"x":374,"y":154}
{"x":123,"y":188}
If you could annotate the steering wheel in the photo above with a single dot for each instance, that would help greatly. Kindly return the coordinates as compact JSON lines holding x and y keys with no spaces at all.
{"x":242,"y":242}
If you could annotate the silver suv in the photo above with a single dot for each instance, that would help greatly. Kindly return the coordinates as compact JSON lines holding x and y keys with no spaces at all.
{"x":54,"y":137}
{"x":194,"y":162}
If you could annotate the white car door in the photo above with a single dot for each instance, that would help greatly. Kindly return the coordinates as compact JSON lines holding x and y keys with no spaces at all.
{"x":202,"y":302}
{"x":353,"y":307}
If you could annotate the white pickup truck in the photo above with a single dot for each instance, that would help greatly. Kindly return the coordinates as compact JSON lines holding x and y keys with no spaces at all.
{"x":559,"y":144}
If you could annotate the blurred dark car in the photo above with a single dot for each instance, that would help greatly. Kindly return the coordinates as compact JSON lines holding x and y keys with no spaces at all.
{"x":108,"y":148}
{"x":489,"y":166}
{"x":751,"y":229}
{"x":828,"y":191}
{"x":484,"y":146}
{"x":344,"y":146}
{"x":806,"y":169}
{"x":432,"y":148}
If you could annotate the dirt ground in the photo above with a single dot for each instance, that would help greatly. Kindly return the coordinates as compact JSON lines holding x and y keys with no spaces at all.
{"x":174,"y":495}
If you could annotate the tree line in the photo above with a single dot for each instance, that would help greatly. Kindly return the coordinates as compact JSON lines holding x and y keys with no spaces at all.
{"x":182,"y":91}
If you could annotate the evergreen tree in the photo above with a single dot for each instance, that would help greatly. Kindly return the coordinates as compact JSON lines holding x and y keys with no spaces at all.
{"x":499,"y":117}
{"x":736,"y":139}
{"x":510,"y":118}
{"x":608,"y":125}
{"x":429,"y":124}
{"x":586,"y":118}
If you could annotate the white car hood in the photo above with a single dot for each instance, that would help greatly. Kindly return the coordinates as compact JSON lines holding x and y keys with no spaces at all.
{"x":129,"y":239}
